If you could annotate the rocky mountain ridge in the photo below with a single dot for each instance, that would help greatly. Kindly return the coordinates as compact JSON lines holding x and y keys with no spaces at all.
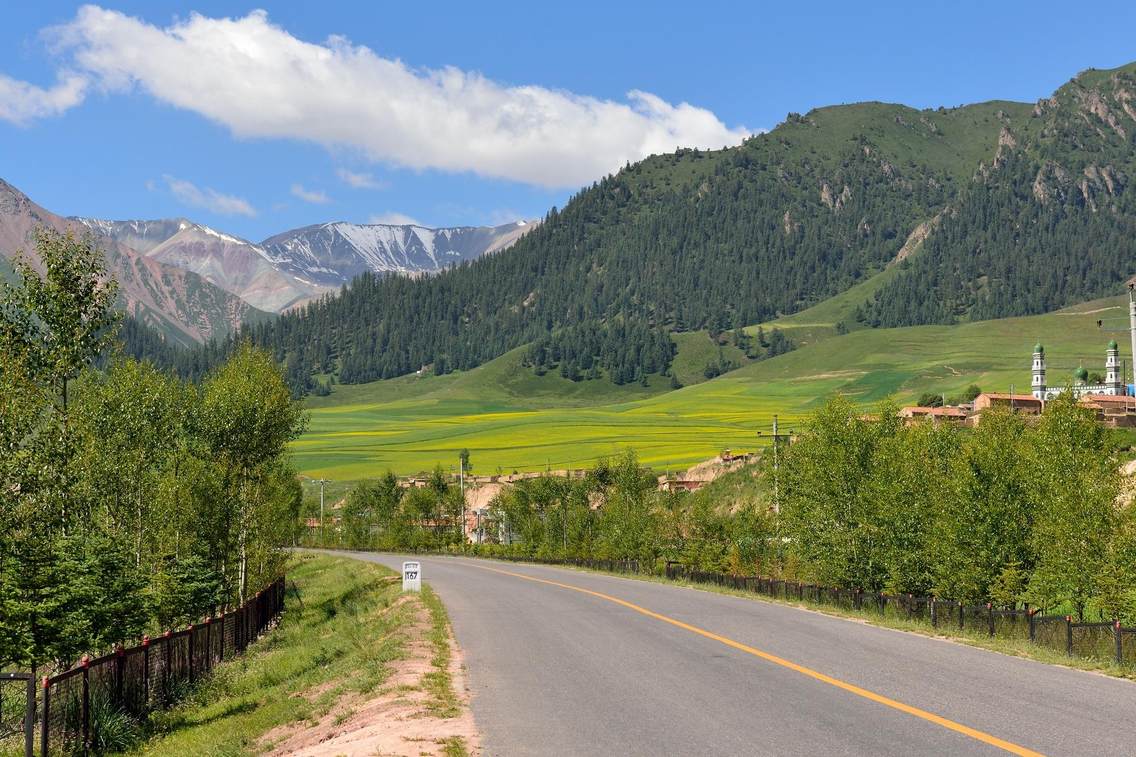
{"x":194,"y":283}
{"x":182,"y":305}
{"x":296,"y":266}
{"x":334,"y":253}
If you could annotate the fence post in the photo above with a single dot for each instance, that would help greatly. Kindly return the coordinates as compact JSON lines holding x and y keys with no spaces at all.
{"x":46,"y":717}
{"x":189,"y":655}
{"x":1032,"y":624}
{"x":166,"y":672}
{"x":933,"y":608}
{"x":221,"y":651}
{"x":990,"y":616}
{"x":962,"y":617}
{"x":86,"y":704}
{"x":119,"y":670}
{"x":1069,"y":635}
{"x":29,"y":716}
{"x":146,"y":672}
{"x":209,"y":643}
{"x":1119,"y":643}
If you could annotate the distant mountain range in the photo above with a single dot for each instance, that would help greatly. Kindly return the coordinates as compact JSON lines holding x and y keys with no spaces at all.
{"x":185,"y":307}
{"x":194,"y":283}
{"x":331,"y":254}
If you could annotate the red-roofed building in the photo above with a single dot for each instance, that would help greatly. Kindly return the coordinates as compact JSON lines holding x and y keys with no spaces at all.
{"x":917,"y":413}
{"x":1019,"y":403}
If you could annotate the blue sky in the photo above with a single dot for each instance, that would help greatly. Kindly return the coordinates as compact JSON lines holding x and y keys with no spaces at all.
{"x":467,"y":113}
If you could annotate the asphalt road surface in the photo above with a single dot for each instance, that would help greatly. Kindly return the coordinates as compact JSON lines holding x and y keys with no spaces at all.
{"x":564,"y":662}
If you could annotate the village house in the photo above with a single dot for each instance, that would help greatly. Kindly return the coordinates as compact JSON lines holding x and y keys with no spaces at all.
{"x":1115,"y":411}
{"x":1025,"y":404}
{"x":917,"y":413}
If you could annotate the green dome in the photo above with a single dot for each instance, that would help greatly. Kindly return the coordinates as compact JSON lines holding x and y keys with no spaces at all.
{"x":1038,"y":348}
{"x":1112,"y":345}
{"x":1081,"y":374}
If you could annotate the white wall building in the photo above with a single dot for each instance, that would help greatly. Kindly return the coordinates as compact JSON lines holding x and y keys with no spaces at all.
{"x":1113,"y":380}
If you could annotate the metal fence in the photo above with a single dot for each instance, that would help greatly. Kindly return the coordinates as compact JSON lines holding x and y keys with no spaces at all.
{"x":1103,"y":641}
{"x":76,"y":706}
{"x":17,"y":713}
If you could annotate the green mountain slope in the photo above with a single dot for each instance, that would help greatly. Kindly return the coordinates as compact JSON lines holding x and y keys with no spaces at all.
{"x":1050,"y":221}
{"x":676,"y":242}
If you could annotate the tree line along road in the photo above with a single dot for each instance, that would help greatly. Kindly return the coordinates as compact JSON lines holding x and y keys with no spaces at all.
{"x":564,"y":662}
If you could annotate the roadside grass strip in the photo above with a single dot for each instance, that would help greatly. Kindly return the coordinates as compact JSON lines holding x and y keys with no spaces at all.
{"x":338,"y":636}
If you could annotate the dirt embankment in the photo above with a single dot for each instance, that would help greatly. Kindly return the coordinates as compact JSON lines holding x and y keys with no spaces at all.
{"x":421,"y":708}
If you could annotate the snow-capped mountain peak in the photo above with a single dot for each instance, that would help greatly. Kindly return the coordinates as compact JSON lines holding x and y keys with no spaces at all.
{"x":336,"y":252}
{"x":298,"y":265}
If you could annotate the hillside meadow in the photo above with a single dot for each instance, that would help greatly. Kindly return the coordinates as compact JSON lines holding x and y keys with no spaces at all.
{"x":511,"y":419}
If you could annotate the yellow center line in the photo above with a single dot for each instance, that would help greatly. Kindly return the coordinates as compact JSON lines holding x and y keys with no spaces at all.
{"x":973,"y":733}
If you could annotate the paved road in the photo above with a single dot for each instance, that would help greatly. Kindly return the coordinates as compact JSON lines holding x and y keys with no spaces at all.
{"x":675,"y":671}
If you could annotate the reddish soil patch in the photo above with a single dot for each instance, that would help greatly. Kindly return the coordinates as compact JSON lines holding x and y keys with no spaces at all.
{"x":396,"y":718}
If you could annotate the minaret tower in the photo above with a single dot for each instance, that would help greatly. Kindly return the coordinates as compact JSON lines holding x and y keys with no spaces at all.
{"x":1038,"y":381}
{"x":1112,"y":370}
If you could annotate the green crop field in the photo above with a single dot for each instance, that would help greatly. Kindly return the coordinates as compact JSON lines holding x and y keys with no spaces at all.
{"x":510,"y":419}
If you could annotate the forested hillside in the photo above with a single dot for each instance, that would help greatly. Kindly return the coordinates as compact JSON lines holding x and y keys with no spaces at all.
{"x":678,"y":242}
{"x":990,"y":210}
{"x":1051,"y":221}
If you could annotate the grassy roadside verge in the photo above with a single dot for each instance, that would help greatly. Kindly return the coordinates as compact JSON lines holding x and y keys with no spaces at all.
{"x":339,"y":637}
{"x":1014,"y":647}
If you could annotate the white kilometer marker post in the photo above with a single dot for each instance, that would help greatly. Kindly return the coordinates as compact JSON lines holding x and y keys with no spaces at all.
{"x":411,"y":576}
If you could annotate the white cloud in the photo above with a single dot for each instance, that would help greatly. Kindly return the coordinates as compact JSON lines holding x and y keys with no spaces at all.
{"x":393,"y":218}
{"x":207,"y":198}
{"x":314,"y":196}
{"x":260,"y":81}
{"x":21,"y":102}
{"x":360,"y":180}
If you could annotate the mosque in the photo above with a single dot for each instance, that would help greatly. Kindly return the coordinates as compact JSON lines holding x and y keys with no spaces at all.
{"x":1113,"y":379}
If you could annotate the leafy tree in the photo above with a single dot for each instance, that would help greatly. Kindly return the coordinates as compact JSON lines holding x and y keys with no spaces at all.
{"x":247,"y":417}
{"x":1076,"y":486}
{"x":59,"y":323}
{"x":51,"y":327}
{"x":983,"y":526}
{"x":910,"y":479}
{"x":827,"y":508}
{"x":128,"y":423}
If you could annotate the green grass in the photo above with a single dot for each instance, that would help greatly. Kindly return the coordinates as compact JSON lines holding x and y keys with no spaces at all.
{"x":503,"y":381}
{"x":696,"y":350}
{"x":439,"y":683}
{"x":361,"y":431}
{"x":335,"y":638}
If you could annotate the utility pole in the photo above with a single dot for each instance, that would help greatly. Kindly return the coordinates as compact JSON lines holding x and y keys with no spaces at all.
{"x":461,"y":486}
{"x":323,"y":533}
{"x":777,"y":437}
{"x":1132,"y":324}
